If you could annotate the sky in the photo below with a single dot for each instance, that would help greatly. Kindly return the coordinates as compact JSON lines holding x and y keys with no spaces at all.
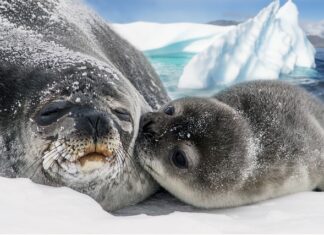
{"x":200,"y":11}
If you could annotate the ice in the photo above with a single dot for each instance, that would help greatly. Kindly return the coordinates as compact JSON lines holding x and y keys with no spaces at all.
{"x":148,"y":36}
{"x":270,"y":44}
{"x":27,"y":207}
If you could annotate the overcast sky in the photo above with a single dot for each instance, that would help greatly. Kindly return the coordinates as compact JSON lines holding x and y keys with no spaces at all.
{"x":122,"y":11}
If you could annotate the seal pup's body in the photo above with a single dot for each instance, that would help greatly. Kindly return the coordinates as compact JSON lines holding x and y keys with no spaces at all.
{"x":251,"y":142}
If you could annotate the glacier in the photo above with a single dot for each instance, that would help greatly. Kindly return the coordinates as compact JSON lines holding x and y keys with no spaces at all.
{"x":264,"y":47}
{"x":147,"y":36}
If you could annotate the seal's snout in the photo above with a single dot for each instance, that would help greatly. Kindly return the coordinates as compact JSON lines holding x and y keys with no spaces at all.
{"x":148,"y":124}
{"x":93,"y":123}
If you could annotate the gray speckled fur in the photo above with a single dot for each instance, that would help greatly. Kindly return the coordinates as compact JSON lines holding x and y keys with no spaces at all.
{"x":250,"y":142}
{"x":288,"y":123}
{"x":59,"y":49}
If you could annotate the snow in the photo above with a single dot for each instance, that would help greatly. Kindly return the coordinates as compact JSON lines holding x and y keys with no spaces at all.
{"x":148,"y":36}
{"x":31,"y":208}
{"x":263,"y":47}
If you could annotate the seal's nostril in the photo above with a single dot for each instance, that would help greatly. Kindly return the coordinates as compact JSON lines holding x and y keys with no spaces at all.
{"x":94,"y":124}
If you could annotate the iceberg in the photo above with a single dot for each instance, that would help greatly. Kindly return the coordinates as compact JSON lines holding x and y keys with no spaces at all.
{"x":270,"y":44}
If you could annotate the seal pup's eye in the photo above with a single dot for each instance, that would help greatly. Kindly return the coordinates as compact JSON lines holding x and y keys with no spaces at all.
{"x":179,"y":159}
{"x":123,"y":114}
{"x":169,"y":110}
{"x":52,"y":112}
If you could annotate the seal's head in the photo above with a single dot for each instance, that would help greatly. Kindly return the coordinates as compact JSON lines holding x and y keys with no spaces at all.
{"x":74,"y":128}
{"x":196,"y":148}
{"x":71,"y":95}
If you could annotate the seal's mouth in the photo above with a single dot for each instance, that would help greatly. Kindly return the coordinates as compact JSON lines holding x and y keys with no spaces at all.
{"x":93,"y":157}
{"x":101,"y":155}
{"x":98,"y":153}
{"x":94,"y":160}
{"x":73,"y":160}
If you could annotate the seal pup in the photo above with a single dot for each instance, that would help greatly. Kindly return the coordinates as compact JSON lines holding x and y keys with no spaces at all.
{"x":71,"y":95}
{"x":250,"y":142}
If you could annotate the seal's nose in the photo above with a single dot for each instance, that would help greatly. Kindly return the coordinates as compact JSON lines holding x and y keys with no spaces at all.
{"x":148,"y":124}
{"x":93,"y":123}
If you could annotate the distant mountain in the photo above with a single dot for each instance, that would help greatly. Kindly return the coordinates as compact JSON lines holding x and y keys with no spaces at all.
{"x":317,"y":41}
{"x":224,"y":22}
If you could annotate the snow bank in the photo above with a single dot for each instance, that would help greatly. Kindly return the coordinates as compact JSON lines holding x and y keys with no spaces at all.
{"x":147,"y":36}
{"x":26,"y":207}
{"x":264,"y":47}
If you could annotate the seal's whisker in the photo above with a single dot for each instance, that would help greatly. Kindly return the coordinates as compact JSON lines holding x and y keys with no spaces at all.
{"x":119,"y":162}
{"x":36,"y":170}
{"x":38,"y":159}
{"x":31,"y":165}
{"x":51,"y":156}
{"x":131,"y":161}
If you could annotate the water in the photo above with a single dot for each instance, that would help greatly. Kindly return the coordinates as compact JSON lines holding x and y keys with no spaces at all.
{"x":170,"y":61}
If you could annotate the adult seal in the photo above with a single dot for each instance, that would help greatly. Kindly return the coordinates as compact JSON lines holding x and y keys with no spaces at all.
{"x":250,"y":142}
{"x":71,"y":95}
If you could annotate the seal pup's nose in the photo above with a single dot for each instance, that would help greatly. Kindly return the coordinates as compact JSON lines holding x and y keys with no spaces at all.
{"x":94,"y":124}
{"x":148,"y":124}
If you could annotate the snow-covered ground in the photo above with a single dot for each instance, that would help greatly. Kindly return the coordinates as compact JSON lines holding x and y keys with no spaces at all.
{"x":263,"y":47}
{"x":30,"y":208}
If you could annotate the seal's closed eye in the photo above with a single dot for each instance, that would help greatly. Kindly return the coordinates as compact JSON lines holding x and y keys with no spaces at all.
{"x":51,"y":112}
{"x":123,"y":114}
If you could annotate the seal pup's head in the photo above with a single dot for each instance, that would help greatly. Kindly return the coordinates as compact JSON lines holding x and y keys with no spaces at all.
{"x":197,"y":149}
